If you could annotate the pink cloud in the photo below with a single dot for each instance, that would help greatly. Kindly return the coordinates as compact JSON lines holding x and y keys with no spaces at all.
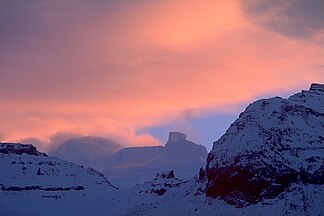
{"x":107,"y":74}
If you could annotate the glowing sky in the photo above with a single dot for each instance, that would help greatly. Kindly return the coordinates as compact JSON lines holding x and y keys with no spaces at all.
{"x":129,"y":70}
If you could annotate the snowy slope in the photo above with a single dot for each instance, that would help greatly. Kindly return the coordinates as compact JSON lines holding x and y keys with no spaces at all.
{"x":160,"y":196}
{"x":274,"y":143}
{"x":185,"y":198}
{"x":31,"y":182}
{"x":20,"y":167}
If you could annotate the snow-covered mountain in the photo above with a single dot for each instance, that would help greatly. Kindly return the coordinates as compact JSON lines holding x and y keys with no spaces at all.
{"x":138,"y":164}
{"x":28,"y":176}
{"x":274,"y":144}
{"x":23,"y":168}
{"x":87,"y":151}
{"x":269,"y":162}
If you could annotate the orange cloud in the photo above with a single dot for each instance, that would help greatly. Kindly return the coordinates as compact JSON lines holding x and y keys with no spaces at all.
{"x":111,"y":73}
{"x":183,"y":23}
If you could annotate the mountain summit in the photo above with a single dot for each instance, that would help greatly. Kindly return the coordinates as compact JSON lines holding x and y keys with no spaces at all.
{"x":274,"y":143}
{"x":183,"y":151}
{"x":176,"y":137}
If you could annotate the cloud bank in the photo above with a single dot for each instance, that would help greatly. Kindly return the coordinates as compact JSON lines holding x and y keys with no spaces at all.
{"x":109,"y":68}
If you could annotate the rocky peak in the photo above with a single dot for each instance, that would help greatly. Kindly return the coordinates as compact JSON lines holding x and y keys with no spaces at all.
{"x":17,"y":148}
{"x":312,"y":98}
{"x":317,"y":87}
{"x":179,"y":145}
{"x":177,"y":137}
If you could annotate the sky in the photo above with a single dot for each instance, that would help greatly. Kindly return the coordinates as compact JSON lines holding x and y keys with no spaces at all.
{"x":134,"y":70}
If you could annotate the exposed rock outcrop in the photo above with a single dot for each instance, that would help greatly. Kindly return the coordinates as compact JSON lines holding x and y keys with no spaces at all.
{"x":176,"y":137}
{"x":16,"y":148}
{"x":168,"y":175}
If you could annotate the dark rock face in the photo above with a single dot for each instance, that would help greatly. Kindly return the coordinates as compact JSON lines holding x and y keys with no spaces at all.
{"x":168,"y":175}
{"x":274,"y":143}
{"x":159,"y":192}
{"x":162,"y":183}
{"x":239,"y":185}
{"x":39,"y":172}
{"x":16,"y":148}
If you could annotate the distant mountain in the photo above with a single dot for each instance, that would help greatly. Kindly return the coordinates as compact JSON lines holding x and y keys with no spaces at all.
{"x":274,"y":144}
{"x":87,"y":151}
{"x":269,"y":162}
{"x":131,"y":165}
{"x":137,"y":164}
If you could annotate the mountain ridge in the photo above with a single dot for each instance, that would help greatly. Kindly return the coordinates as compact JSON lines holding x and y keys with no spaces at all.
{"x":268,"y":162}
{"x":274,"y":143}
{"x":137,"y":164}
